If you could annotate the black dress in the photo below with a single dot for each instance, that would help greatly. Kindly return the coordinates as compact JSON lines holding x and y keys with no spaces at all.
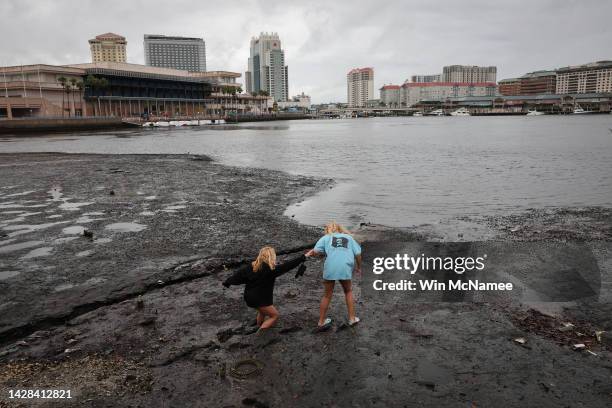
{"x":259,"y":289}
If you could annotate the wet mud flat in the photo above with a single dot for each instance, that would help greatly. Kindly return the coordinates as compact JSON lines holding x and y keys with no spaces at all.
{"x":144,"y":215}
{"x":160,"y":330}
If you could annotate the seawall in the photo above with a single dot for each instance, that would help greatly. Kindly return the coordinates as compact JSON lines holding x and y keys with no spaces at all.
{"x":59,"y":124}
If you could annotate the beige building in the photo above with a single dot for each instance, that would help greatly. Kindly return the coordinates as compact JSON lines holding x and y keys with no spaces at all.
{"x":108,"y":47}
{"x":37,"y":90}
{"x":468,"y":74}
{"x":390,"y":96}
{"x":360,"y":87}
{"x":595,"y":77}
{"x":130,"y":91}
{"x":413,"y":93}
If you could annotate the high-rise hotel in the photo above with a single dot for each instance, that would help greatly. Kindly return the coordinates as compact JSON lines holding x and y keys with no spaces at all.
{"x":108,"y":47}
{"x":267,"y":70}
{"x":359,"y":86}
{"x":185,"y":53}
{"x":469,"y":74}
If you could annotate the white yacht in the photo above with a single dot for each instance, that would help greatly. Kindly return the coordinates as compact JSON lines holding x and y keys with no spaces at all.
{"x":417,"y":114}
{"x":535,"y":112}
{"x":579,"y":111}
{"x":437,"y":112}
{"x":461,"y":112}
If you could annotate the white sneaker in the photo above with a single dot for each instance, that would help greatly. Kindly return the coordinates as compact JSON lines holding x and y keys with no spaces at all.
{"x":354,"y":322}
{"x":326,"y":325}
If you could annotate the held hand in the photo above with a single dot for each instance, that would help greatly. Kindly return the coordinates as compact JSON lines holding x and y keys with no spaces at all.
{"x":358,"y":272}
{"x":309,"y":253}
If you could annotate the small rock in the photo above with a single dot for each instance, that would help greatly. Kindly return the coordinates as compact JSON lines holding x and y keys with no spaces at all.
{"x":112,"y":192}
{"x":520,"y":340}
{"x":147,"y":321}
{"x":140,"y":303}
{"x":88,"y":234}
{"x":130,"y":378}
{"x":578,"y":347}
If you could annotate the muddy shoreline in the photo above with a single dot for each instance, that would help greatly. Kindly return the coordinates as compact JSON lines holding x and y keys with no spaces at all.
{"x":135,"y":315}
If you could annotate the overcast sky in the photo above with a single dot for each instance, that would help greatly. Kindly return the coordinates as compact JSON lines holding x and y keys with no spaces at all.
{"x":323,"y":40}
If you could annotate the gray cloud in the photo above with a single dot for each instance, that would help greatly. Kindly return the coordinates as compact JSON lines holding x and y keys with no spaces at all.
{"x":324,"y":39}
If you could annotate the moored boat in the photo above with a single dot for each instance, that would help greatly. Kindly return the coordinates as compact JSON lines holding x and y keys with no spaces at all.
{"x":461,"y":112}
{"x":437,"y":112}
{"x":535,"y":112}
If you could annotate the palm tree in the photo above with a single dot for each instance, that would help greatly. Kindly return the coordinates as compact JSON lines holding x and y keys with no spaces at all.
{"x":96,"y":84}
{"x":62,"y":80}
{"x":73,"y":85}
{"x":68,"y":90}
{"x":81,"y":86}
{"x":102,"y":85}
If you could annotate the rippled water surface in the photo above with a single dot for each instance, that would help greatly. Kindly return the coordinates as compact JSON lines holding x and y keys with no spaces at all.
{"x":396,"y":171}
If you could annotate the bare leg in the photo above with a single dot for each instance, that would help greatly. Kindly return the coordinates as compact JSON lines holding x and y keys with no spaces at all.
{"x":260,"y":318}
{"x":348,"y":296}
{"x":325,"y":300}
{"x":272,"y":314}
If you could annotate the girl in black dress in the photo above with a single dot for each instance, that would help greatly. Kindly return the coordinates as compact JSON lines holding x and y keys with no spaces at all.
{"x":259,"y":277}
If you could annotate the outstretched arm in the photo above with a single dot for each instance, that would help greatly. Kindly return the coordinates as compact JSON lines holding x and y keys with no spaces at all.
{"x":288,"y":265}
{"x":239,"y":277}
{"x":314,"y":252}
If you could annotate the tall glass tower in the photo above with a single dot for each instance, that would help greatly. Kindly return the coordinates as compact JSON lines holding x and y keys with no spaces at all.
{"x":267,"y":69}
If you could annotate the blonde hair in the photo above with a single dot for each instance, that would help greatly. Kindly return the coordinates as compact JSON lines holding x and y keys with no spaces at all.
{"x":333,"y":227}
{"x":267,"y":255}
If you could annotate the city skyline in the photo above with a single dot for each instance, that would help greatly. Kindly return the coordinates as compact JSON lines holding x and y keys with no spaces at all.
{"x":321,"y":40}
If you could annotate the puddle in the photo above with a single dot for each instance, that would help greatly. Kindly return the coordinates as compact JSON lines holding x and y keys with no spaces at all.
{"x":55,"y":216}
{"x":11,"y":204}
{"x":93,"y":214}
{"x":102,"y":241}
{"x":63,"y":286}
{"x":147,"y":213}
{"x":7,"y":241}
{"x":64,"y":239}
{"x":8,"y":274}
{"x":73,"y":206}
{"x":73,"y":230}
{"x":13,"y":212}
{"x":21,"y":217}
{"x":176,"y":207}
{"x":20,"y":194}
{"x":22,"y":245}
{"x":24,"y":229}
{"x":84,"y":253}
{"x":38,"y":252}
{"x":125,"y":227}
{"x":150,"y":197}
{"x":94,"y":281}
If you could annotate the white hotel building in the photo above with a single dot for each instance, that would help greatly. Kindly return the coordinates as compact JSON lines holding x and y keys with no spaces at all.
{"x":595,"y":77}
{"x":414,"y":92}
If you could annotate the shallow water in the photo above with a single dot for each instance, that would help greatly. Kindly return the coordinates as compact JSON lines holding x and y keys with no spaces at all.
{"x":397,"y":171}
{"x":125,"y":227}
